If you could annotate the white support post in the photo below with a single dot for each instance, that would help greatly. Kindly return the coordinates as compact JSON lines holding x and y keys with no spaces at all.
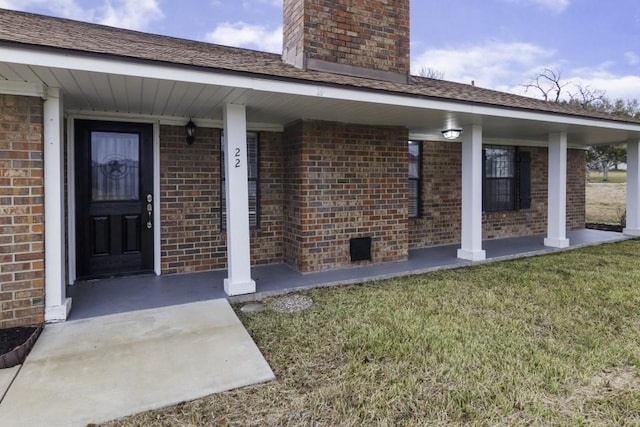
{"x":557,"y":192}
{"x":237,"y":196}
{"x":633,"y":189}
{"x":471,"y":248}
{"x":57,"y":305}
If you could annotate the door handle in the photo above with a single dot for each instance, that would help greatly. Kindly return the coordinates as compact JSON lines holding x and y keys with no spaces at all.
{"x":149,"y":211}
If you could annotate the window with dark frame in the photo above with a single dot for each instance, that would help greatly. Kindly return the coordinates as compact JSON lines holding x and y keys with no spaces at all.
{"x":415,"y":166}
{"x":507,"y":179}
{"x":252,"y":172}
{"x":499,"y":178}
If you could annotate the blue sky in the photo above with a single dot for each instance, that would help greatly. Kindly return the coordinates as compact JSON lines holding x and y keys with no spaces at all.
{"x":500,"y":44}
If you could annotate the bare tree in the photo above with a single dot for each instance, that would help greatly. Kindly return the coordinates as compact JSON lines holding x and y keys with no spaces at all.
{"x":549,"y":83}
{"x":588,"y":98}
{"x":431,"y":73}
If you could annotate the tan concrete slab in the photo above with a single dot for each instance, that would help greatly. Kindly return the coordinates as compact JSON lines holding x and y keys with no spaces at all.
{"x":95,"y":370}
{"x":6,"y":378}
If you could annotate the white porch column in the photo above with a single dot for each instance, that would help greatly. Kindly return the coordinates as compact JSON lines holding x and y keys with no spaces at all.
{"x":472,"y":195}
{"x":57,"y":305}
{"x":633,"y":189}
{"x":557,"y":192}
{"x":237,"y":194}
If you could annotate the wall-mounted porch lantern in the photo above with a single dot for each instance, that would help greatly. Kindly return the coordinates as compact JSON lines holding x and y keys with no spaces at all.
{"x":190,"y":129}
{"x":451,"y":133}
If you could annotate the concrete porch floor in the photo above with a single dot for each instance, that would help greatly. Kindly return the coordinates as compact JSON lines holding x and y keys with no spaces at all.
{"x":118,"y":295}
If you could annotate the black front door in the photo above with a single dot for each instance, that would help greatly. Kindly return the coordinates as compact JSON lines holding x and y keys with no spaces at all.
{"x":114,"y":198}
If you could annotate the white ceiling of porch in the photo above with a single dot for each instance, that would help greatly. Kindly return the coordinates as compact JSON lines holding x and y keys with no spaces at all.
{"x":103,"y":92}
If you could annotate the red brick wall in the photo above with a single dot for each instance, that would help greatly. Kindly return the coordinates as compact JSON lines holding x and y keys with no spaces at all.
{"x":295,"y":184}
{"x":267,"y":243}
{"x":576,"y":188}
{"x":441,"y":190}
{"x":21,"y":212}
{"x":441,"y":198}
{"x":293,"y":31}
{"x":344,"y":181}
{"x":191,"y":235}
{"x":371,"y":34}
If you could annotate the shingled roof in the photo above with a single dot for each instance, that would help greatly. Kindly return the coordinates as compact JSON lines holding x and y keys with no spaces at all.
{"x":33,"y":30}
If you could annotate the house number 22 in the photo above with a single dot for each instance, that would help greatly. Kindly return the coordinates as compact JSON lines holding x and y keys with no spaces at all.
{"x":237,"y":157}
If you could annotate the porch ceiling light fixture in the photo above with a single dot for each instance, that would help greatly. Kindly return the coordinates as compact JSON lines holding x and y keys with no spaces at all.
{"x":190,"y":129}
{"x":451,"y":133}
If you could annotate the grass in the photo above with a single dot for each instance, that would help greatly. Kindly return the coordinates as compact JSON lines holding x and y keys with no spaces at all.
{"x":615,"y":176}
{"x":550,"y":340}
{"x":606,"y":201}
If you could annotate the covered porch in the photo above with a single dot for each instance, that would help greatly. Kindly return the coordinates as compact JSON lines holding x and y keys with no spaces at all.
{"x":79,"y":87}
{"x":118,"y":295}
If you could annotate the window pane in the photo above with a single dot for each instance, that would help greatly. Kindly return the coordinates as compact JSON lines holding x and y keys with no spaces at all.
{"x":414,"y":160}
{"x":414,"y":178}
{"x":501,"y":194}
{"x":253,"y":203}
{"x":500,"y":168}
{"x":413,"y":198}
{"x":115,"y":164}
{"x":223,"y":206}
{"x":252,"y":155}
{"x":500,"y":162}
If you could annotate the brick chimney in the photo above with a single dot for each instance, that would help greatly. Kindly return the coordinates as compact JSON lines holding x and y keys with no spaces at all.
{"x":364,"y":38}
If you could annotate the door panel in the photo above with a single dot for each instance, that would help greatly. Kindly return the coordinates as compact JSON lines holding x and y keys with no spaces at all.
{"x":131,"y":234}
{"x":114,"y":180}
{"x":101,"y":235}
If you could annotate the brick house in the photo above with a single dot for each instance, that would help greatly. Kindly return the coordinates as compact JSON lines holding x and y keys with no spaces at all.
{"x":327,"y":156}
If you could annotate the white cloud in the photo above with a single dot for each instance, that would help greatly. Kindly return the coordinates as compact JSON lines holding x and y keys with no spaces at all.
{"x":254,"y":5}
{"x":615,"y":86}
{"x":508,"y":66}
{"x":600,"y":77}
{"x":632,"y":58}
{"x":132,"y":14}
{"x":494,"y":64}
{"x":241,"y":34}
{"x":557,"y":6}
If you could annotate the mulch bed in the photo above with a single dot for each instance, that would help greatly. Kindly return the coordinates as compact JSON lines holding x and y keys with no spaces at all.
{"x":605,"y":227}
{"x":11,"y":338}
{"x":15,"y":344}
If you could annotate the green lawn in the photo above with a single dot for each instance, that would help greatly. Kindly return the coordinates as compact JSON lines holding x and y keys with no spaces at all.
{"x":614,"y":176}
{"x":550,"y":340}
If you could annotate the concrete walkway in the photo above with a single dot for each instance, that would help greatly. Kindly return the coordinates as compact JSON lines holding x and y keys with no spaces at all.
{"x":99,"y":369}
{"x":7,"y":376}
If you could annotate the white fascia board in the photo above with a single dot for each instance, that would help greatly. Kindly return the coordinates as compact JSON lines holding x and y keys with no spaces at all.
{"x":37,"y":90}
{"x":170,"y":121}
{"x":176,"y":72}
